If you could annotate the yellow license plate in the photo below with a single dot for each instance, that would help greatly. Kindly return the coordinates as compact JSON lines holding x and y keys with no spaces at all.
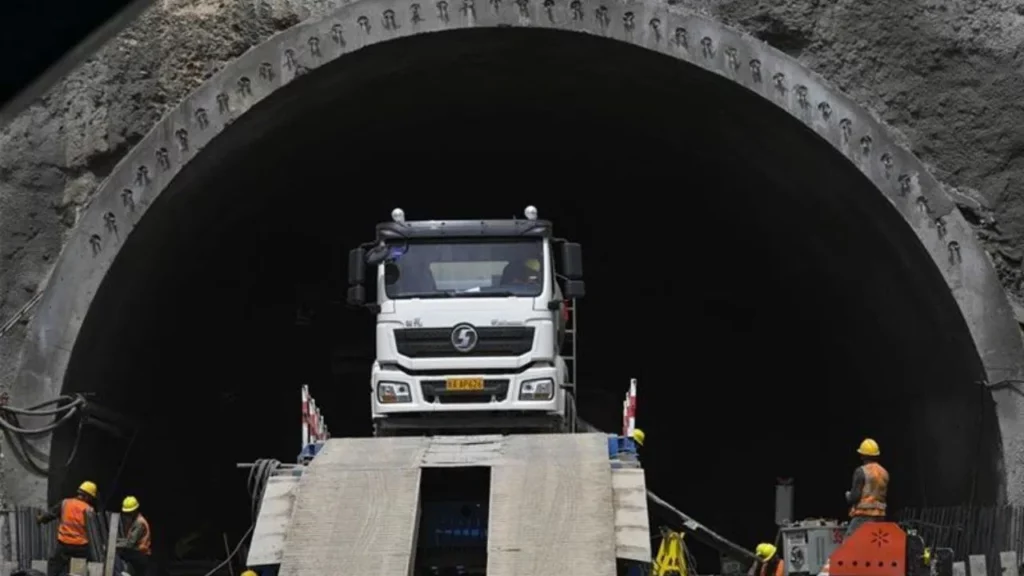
{"x":464,"y":384}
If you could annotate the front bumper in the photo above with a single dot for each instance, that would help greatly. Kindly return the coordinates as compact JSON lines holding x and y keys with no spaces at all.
{"x":500,"y":393}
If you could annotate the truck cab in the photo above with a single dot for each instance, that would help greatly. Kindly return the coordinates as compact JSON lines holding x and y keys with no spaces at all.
{"x":470,"y":323}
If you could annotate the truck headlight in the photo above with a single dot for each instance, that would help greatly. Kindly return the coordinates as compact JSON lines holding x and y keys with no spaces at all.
{"x":543,"y":389}
{"x":393,"y":393}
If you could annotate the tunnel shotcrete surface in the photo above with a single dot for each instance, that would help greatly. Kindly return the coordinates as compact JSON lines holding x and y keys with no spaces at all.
{"x":781,"y":276}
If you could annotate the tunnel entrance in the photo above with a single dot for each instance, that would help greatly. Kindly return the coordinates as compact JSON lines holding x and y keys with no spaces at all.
{"x":773,"y":305}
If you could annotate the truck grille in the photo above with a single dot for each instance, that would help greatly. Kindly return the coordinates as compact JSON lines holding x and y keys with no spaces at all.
{"x":437,"y":342}
{"x":496,"y":388}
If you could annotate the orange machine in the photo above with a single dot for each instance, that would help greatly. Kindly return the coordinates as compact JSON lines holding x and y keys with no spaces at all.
{"x":885,"y":549}
{"x":875,"y":549}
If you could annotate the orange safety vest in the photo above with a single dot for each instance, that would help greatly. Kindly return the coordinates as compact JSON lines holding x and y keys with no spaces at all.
{"x":773,"y":567}
{"x":72,"y":530}
{"x":145,"y":543}
{"x":872,"y":496}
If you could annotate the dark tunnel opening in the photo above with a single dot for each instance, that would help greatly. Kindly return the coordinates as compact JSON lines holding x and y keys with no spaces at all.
{"x":772,"y":304}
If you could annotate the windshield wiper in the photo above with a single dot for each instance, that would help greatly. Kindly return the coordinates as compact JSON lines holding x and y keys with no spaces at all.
{"x":488,"y":294}
{"x":437,"y":294}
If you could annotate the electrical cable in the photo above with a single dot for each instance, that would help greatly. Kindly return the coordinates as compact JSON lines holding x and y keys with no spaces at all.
{"x":37,"y":409}
{"x":19,"y":448}
{"x":691,"y":560}
{"x":691,"y":526}
{"x":259,"y":476}
{"x":10,"y":422}
{"x":67,"y":407}
{"x":233,"y":552}
{"x":120,"y":467}
{"x":74,"y":447}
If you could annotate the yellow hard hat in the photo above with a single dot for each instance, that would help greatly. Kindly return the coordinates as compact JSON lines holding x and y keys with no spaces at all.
{"x":249,"y":573}
{"x":869,"y":448}
{"x":638,"y":436}
{"x":764,"y":551}
{"x":533,"y":264}
{"x":89,"y":488}
{"x":130,"y":504}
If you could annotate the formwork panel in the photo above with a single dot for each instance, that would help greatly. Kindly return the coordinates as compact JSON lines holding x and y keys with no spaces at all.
{"x":632,"y":528}
{"x":267,"y":543}
{"x":356,"y":510}
{"x":552,"y":507}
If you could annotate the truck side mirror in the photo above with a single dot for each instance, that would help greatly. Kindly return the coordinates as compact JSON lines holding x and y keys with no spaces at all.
{"x":356,"y":295}
{"x":356,"y":266}
{"x":572,"y":261}
{"x":574,"y":289}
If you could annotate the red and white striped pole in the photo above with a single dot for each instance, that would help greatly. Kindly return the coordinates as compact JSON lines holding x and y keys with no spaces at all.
{"x":305,"y":419}
{"x":629,"y":410}
{"x":314,"y":429}
{"x":312,"y":419}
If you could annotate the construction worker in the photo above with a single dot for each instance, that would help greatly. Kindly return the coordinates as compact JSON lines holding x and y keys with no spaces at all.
{"x":72,"y":533}
{"x":135,"y":547}
{"x":526,"y":271}
{"x":768,"y":562}
{"x":638,"y":436}
{"x":870,"y":485}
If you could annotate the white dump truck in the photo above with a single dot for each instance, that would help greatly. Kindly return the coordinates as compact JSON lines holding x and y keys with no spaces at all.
{"x":471,"y":321}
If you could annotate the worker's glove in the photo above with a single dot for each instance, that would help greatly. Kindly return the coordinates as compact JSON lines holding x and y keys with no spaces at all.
{"x":39,"y":519}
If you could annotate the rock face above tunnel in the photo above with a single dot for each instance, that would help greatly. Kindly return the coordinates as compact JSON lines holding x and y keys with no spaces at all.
{"x":944,"y":74}
{"x":941,"y":75}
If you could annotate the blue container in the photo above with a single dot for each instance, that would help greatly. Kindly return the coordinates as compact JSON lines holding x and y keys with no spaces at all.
{"x":619,"y":446}
{"x":309,"y":451}
{"x":461,"y":524}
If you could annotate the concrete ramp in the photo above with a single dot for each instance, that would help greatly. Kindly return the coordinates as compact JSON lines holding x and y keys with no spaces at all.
{"x":554,"y":506}
{"x":357,"y":509}
{"x":551,"y":507}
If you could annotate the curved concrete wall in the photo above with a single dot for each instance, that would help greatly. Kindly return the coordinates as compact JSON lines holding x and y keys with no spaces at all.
{"x":139,"y":177}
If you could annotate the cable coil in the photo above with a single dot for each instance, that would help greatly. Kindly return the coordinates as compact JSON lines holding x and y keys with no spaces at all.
{"x":64,"y":408}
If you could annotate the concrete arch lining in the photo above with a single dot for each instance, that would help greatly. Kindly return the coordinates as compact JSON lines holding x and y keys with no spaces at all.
{"x":147,"y":171}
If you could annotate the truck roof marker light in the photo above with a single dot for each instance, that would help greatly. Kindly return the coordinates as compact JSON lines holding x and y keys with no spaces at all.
{"x":398,"y":215}
{"x":530,"y":212}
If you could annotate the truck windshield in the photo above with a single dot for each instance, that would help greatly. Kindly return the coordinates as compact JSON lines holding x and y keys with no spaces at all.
{"x":466,"y":269}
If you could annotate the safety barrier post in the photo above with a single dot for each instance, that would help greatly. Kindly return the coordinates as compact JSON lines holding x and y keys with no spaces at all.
{"x":629,"y":410}
{"x":305,"y":407}
{"x":111,"y":552}
{"x":314,"y":429}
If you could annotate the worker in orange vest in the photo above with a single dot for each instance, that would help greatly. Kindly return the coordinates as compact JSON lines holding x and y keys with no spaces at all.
{"x":72,"y":534}
{"x":870,"y":487}
{"x":769,"y":562}
{"x":136,"y":546}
